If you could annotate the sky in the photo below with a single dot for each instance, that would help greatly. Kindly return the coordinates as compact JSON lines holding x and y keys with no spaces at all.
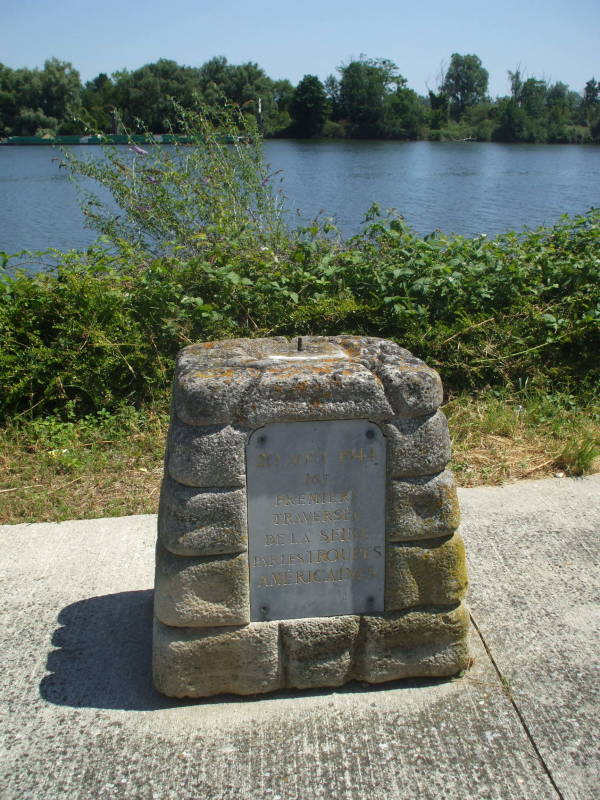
{"x":550,"y":39}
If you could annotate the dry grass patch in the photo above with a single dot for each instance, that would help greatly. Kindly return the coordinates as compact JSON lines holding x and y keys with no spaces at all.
{"x":111,"y":464}
{"x":106,"y":465}
{"x":498,"y":439}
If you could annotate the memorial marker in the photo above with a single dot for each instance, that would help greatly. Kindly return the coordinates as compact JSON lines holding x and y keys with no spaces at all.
{"x":307,"y":521}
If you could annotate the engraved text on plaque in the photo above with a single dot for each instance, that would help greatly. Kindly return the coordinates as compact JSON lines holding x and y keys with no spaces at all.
{"x":316,"y":519}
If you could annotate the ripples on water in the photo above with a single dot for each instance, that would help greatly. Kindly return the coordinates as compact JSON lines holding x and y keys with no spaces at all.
{"x":465,"y":188}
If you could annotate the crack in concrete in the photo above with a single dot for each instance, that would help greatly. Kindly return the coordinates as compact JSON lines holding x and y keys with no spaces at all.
{"x":504,"y":683}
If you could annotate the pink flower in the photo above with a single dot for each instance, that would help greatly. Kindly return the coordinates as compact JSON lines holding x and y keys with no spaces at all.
{"x":140,"y":151}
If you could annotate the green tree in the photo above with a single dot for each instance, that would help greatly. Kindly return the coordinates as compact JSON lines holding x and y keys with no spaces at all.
{"x":148,"y":93}
{"x":438,"y":104}
{"x":511,"y":121}
{"x":364,"y":86}
{"x":558,"y":112}
{"x":465,"y":83}
{"x":523,"y":117}
{"x":309,"y":107}
{"x":532,"y":97}
{"x":590,"y":106}
{"x":8,"y":100}
{"x":60,"y":93}
{"x":404,"y":114}
{"x":332,"y":92}
{"x":591,"y":96}
{"x":99,"y":101}
{"x":249,"y":87}
{"x":212,"y":78}
{"x":34,"y":101}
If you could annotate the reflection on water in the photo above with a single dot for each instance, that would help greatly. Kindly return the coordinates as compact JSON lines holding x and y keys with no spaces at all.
{"x":466,"y":188}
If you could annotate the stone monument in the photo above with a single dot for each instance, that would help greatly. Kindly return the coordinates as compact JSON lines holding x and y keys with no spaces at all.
{"x":306,"y":529}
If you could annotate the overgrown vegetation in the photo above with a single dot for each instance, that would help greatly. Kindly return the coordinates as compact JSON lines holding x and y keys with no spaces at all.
{"x":198,"y":251}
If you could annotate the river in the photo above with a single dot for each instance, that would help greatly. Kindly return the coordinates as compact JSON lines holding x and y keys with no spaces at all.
{"x":465,"y":188}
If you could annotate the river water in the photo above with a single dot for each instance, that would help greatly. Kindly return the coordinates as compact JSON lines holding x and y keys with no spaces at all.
{"x":465,"y":188}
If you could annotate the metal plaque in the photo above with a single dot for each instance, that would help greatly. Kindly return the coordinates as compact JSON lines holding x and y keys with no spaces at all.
{"x":316,"y":519}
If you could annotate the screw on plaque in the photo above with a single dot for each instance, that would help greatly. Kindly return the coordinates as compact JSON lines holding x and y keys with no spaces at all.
{"x":264,"y":612}
{"x":262,"y":439}
{"x":370,"y":601}
{"x":370,"y":433}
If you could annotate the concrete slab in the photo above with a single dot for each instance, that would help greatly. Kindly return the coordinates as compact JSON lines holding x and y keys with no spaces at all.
{"x":81,"y":719}
{"x":534,"y":551}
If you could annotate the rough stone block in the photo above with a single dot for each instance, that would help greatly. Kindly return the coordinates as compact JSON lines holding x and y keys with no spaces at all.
{"x":211,"y":456}
{"x":207,"y":395}
{"x":201,"y":592}
{"x":412,"y":389}
{"x":315,"y":389}
{"x":201,"y":522}
{"x":417,"y":445}
{"x":203,"y":662}
{"x":428,"y":573}
{"x":421,"y":643}
{"x":422,"y":507}
{"x":318,"y":651}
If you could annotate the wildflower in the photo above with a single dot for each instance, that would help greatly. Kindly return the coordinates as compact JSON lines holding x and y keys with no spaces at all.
{"x":139,"y":150}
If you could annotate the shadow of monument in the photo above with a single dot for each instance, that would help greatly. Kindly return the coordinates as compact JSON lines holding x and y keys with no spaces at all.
{"x":104,"y":655}
{"x":104,"y":660}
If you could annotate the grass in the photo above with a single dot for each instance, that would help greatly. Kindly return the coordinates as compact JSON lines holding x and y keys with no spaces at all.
{"x":99,"y":466}
{"x":110,"y":464}
{"x":501,"y":438}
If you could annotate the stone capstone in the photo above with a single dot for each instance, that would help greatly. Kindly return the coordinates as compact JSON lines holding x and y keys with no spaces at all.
{"x":253,"y":381}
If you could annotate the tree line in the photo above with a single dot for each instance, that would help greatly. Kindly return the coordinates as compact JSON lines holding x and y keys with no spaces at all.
{"x":368,"y":98}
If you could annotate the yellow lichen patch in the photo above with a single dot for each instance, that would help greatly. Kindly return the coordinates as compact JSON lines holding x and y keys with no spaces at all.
{"x":216,"y":374}
{"x":425,"y":574}
{"x":405,"y":367}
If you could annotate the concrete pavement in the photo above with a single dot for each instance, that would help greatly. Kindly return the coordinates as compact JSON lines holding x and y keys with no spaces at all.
{"x":80,"y":718}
